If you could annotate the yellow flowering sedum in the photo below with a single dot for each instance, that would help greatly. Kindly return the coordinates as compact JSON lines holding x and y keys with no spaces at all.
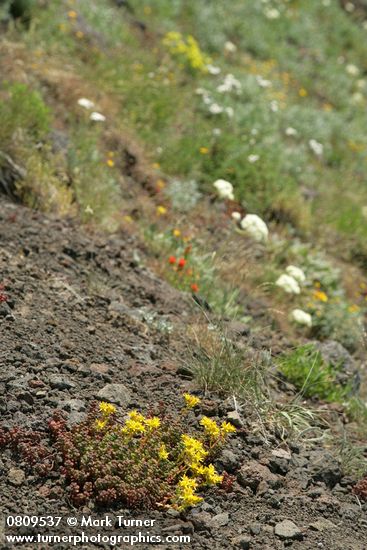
{"x":107,"y":408}
{"x":227,"y":428}
{"x":163,"y":453}
{"x":137,"y":423}
{"x":179,"y":459}
{"x":100,"y":424}
{"x":186,"y":492}
{"x":133,"y":427}
{"x":194,"y":449}
{"x":211,"y":476}
{"x":210,"y":426}
{"x":190,"y":400}
{"x":153,"y":423}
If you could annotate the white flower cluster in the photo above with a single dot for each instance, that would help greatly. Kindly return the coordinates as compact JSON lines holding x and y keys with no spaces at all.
{"x":255,"y":227}
{"x":88,"y":104}
{"x":97,"y":117}
{"x":290,"y":131}
{"x":301,"y":317}
{"x":213,"y":107}
{"x":262,"y":82}
{"x":236,"y":216}
{"x":291,"y":282}
{"x":224,"y":189}
{"x":288,"y":284}
{"x":230,"y":84}
{"x":316,"y":147}
{"x":252,"y":225}
{"x":229,"y":47}
{"x":271,"y":13}
{"x":352,"y":70}
{"x":213,"y":70}
{"x":296,"y":273}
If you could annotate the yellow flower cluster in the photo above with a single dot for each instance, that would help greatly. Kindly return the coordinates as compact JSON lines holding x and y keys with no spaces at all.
{"x":132,"y":427}
{"x":183,"y":459}
{"x":137,"y":423}
{"x":106,"y":409}
{"x":320,"y":295}
{"x":210,"y":426}
{"x":100,"y":424}
{"x":211,"y":475}
{"x":187,"y":49}
{"x":190,"y":400}
{"x":208,"y":474}
{"x":153,"y":423}
{"x":187,"y":486}
{"x":213,"y":430}
{"x":227,"y":428}
{"x":163,"y":453}
{"x":194,"y":450}
{"x":186,"y":492}
{"x":161,"y":210}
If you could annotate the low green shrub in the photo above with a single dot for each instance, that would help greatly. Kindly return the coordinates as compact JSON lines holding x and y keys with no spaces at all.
{"x":305,"y":368}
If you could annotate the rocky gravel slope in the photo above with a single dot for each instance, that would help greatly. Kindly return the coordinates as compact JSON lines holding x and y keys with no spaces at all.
{"x":83,"y":322}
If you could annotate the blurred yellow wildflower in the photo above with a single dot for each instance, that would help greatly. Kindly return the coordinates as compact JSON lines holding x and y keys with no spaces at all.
{"x":320,"y":295}
{"x":161,"y":184}
{"x":187,"y":50}
{"x":161,"y":210}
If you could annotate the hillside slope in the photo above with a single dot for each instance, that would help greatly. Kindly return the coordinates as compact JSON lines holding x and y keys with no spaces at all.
{"x":75,"y":323}
{"x":183,"y":223}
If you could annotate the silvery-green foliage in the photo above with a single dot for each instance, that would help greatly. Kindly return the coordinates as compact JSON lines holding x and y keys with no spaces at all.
{"x":183,"y":194}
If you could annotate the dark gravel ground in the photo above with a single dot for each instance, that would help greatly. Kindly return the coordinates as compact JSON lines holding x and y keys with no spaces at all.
{"x":85,"y":320}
